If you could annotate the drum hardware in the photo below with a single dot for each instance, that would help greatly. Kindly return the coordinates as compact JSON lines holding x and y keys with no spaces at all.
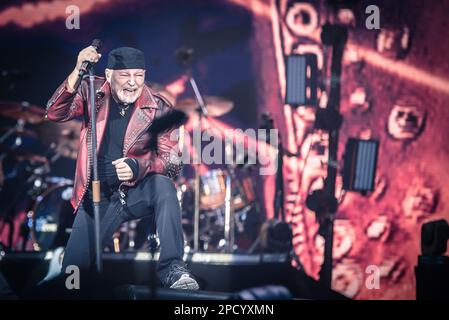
{"x":214,"y":106}
{"x":22,"y":111}
{"x":51,"y":217}
{"x":116,"y":242}
{"x":21,"y":200}
{"x":229,"y":218}
{"x":202,"y":111}
{"x":131,"y":225}
{"x":60,"y":137}
{"x":124,"y":239}
{"x":19,"y":127}
{"x":213,"y":211}
{"x":200,"y":107}
{"x":220,"y":193}
{"x":36,"y":187}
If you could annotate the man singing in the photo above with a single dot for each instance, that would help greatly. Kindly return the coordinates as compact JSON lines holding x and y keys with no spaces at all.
{"x":134,"y":166}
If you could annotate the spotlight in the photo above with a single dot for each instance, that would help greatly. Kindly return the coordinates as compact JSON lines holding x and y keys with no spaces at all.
{"x":301,"y":79}
{"x":360,"y":161}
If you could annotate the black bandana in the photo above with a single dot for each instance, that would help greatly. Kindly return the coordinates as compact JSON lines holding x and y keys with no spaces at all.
{"x":126,"y":58}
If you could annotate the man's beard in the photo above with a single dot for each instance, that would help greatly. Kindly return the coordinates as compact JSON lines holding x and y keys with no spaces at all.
{"x":128,"y":96}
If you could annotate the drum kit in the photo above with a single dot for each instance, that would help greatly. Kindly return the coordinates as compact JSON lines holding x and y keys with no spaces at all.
{"x":212,"y":222}
{"x":219,"y":206}
{"x":35,"y":209}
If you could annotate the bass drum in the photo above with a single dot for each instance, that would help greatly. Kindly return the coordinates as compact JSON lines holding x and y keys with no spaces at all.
{"x":51,"y":219}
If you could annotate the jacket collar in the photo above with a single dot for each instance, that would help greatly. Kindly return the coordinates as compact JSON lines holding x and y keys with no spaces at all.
{"x":141,"y":118}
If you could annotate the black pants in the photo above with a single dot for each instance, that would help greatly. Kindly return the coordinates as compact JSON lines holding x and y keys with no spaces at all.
{"x":156,"y":194}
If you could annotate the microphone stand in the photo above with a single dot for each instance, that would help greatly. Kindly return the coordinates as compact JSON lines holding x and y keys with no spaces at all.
{"x":96,"y":194}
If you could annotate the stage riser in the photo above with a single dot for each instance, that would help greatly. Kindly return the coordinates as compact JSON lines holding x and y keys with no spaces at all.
{"x":22,"y":272}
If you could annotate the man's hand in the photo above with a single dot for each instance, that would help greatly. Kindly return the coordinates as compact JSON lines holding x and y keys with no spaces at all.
{"x":124,"y":172}
{"x":89,"y":54}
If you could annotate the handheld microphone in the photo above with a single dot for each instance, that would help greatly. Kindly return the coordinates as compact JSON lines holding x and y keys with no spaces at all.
{"x":87,"y":64}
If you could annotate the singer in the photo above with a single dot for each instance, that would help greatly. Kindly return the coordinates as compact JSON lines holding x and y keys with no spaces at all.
{"x":135,"y":168}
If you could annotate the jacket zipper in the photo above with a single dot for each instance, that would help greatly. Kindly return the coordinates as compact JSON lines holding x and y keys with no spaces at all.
{"x":89,"y":150}
{"x":125,"y":151}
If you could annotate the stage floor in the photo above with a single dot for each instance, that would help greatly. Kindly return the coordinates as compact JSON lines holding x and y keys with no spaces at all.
{"x":220,"y":275}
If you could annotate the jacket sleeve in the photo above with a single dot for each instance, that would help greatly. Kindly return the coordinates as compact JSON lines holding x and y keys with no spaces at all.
{"x":166,"y":159}
{"x":64,"y":105}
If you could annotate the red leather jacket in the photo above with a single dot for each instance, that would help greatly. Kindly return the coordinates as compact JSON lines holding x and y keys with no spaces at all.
{"x":138,"y":142}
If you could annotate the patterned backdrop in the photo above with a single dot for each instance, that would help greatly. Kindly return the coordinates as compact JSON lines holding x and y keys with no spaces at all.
{"x":394,"y":88}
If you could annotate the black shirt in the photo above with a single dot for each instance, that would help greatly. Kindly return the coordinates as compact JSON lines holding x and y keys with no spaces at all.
{"x":112,"y":144}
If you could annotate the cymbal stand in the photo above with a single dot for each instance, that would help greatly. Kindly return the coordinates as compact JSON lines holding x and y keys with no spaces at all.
{"x":17,"y":128}
{"x":202,"y":112}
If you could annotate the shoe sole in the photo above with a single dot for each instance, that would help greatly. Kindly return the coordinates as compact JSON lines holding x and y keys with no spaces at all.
{"x":185,"y":283}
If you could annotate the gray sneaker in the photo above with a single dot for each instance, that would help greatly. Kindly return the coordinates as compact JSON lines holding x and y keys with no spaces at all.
{"x":180,"y":278}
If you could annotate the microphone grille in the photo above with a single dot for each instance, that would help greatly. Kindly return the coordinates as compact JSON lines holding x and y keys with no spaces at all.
{"x":96,"y":43}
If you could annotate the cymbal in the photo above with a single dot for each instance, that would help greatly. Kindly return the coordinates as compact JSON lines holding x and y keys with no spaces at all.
{"x":215,"y":106}
{"x":19,"y":132}
{"x":22,"y":110}
{"x":22,"y":154}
